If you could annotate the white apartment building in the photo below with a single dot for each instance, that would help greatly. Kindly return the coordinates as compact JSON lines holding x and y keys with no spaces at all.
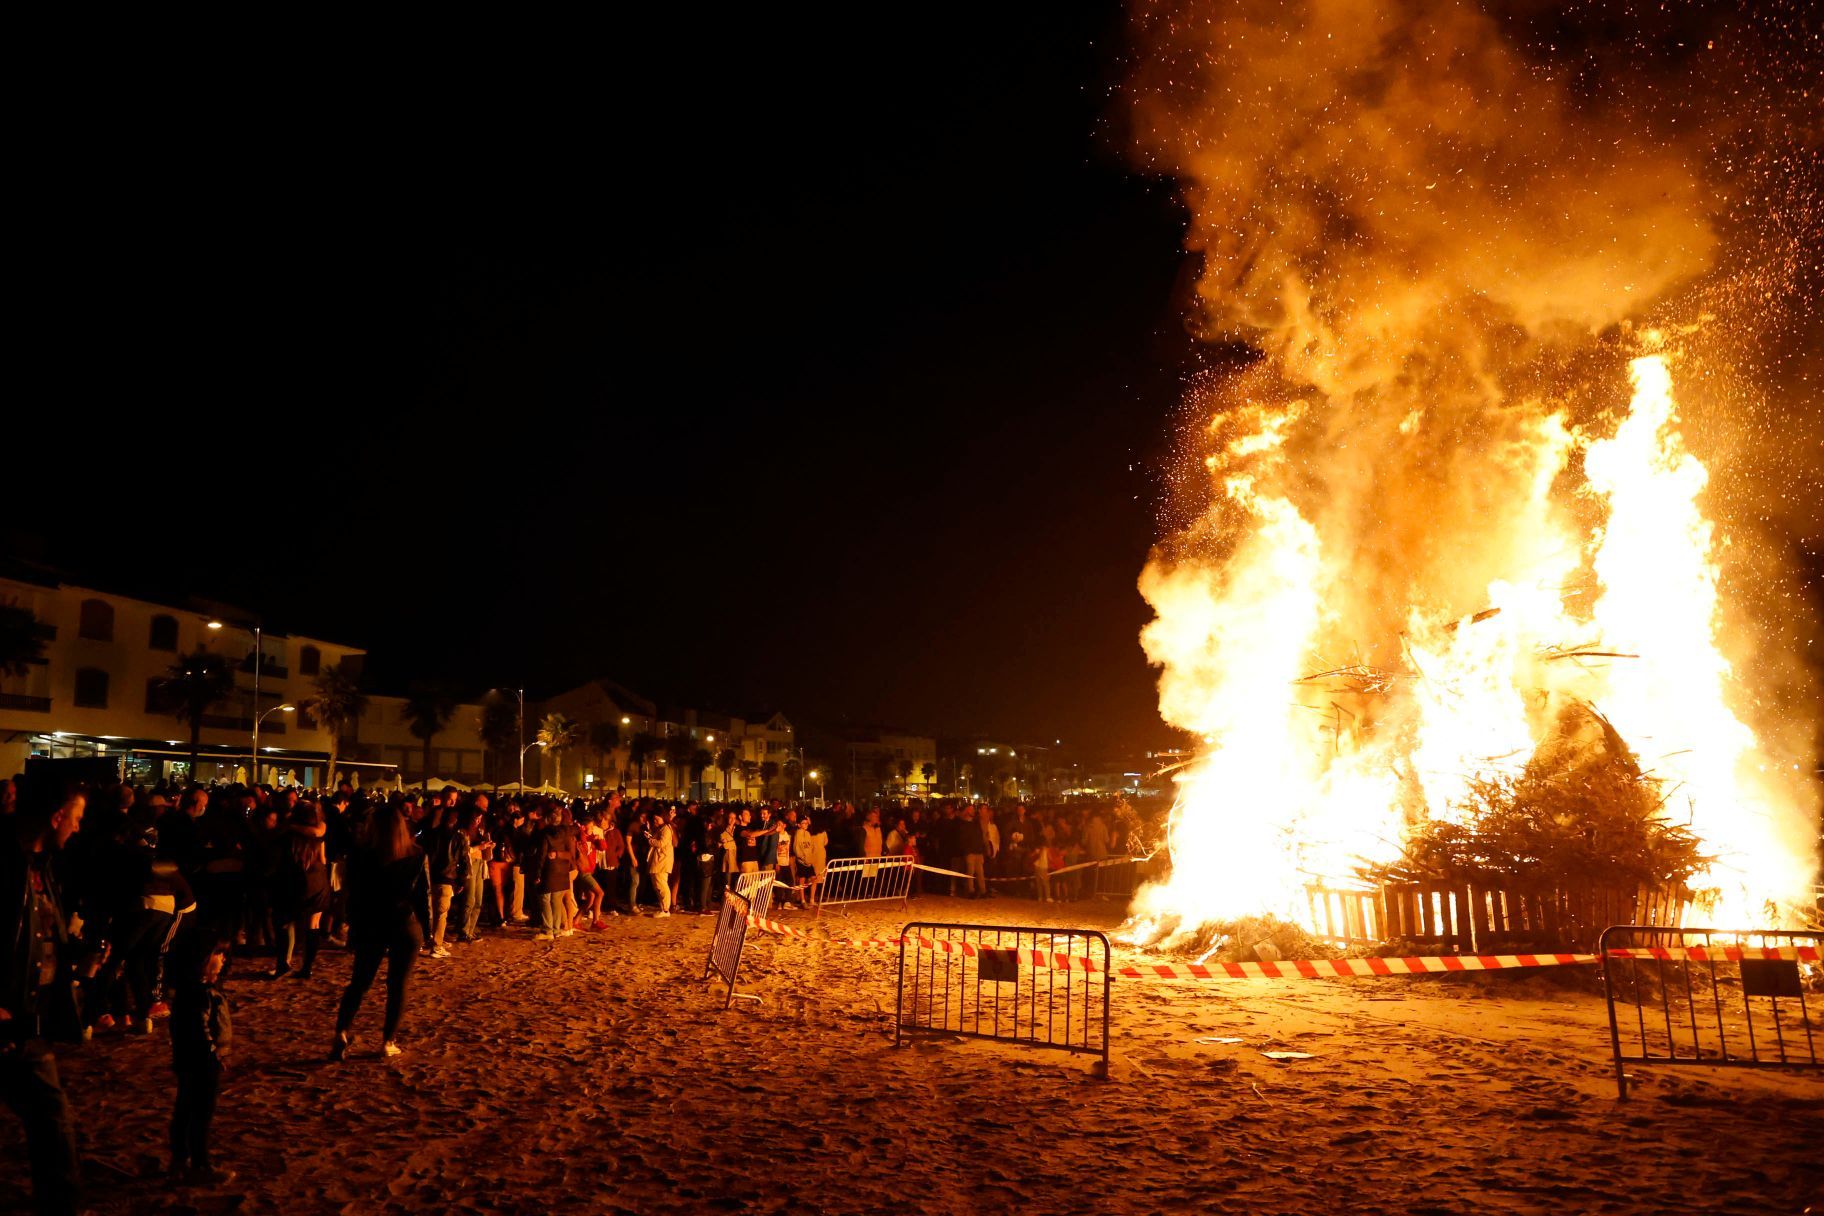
{"x":90,"y":693}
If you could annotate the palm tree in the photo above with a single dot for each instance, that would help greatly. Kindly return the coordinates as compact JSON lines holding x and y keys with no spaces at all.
{"x":498,"y":728}
{"x":750,"y":769}
{"x":335,"y":701}
{"x":428,"y":709}
{"x":678,"y":750}
{"x":904,"y":769}
{"x":21,"y":640}
{"x":769,"y":770}
{"x":725,"y":761}
{"x":196,"y":683}
{"x":644,"y":746}
{"x":883,"y":771}
{"x":792,"y":770}
{"x":700,"y":762}
{"x":558,"y":733}
{"x":605,"y":738}
{"x":928,"y":770}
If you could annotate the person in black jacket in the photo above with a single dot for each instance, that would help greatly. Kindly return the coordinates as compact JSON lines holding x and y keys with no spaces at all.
{"x":447,"y":852}
{"x":389,"y":908}
{"x":202,"y":1034}
{"x":972,"y":845}
{"x":301,"y":894}
{"x":32,"y":934}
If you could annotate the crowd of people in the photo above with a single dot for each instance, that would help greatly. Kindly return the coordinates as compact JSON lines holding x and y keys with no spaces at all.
{"x":122,"y":905}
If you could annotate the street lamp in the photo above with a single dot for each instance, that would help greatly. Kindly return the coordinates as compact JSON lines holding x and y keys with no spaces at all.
{"x":522,"y":761}
{"x":277,"y":709}
{"x":818,"y":778}
{"x":259,"y":661}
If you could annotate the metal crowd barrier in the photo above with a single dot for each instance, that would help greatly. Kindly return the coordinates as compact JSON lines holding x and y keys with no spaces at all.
{"x":858,"y":880}
{"x":977,"y":981}
{"x":1720,"y":998}
{"x":725,"y":948}
{"x":1118,"y":877}
{"x":757,"y":889}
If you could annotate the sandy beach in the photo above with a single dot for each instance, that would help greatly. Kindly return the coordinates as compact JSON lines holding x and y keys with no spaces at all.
{"x":601,"y":1074}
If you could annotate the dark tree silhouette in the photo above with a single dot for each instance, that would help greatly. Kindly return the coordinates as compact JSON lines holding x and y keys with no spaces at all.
{"x":196,"y":684}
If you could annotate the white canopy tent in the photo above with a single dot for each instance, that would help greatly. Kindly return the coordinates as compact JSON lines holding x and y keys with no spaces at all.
{"x":513,"y":787}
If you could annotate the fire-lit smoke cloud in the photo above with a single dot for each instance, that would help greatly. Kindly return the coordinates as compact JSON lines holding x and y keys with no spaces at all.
{"x":1385,"y":190}
{"x":1408,"y":219}
{"x":1442,"y":250}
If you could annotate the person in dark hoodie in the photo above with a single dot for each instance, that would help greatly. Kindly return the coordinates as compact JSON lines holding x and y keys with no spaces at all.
{"x":389,"y":909}
{"x":32,"y":940}
{"x":300,"y":895}
{"x":202,"y":1035}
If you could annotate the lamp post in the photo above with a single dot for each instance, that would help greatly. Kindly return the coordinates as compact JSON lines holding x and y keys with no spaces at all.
{"x":277,"y":709}
{"x":522,"y":761}
{"x":818,"y":778}
{"x":710,"y":740}
{"x":625,"y":721}
{"x":522,"y":740}
{"x":259,"y":661}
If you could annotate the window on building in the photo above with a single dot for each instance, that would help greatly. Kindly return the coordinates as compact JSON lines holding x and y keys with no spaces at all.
{"x":91,"y":688}
{"x":164,"y":633}
{"x":310,"y":660}
{"x":97,"y":621}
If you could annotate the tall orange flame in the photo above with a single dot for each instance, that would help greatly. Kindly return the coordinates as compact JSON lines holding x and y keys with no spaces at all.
{"x":1287,"y":794}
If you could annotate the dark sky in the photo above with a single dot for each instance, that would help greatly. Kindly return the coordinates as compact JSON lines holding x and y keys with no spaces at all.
{"x":765,"y":364}
{"x":751,"y":361}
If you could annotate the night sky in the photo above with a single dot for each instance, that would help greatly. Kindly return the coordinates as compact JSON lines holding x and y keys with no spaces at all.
{"x":764,"y":365}
{"x":755,"y":362}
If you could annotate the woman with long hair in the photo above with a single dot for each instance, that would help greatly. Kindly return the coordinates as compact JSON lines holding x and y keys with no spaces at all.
{"x":389,"y":907}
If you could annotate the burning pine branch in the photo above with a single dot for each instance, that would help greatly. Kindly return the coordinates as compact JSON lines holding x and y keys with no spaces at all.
{"x":1581,"y":813}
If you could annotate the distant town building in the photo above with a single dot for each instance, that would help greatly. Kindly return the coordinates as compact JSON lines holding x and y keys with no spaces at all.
{"x":380,"y":745}
{"x":888,"y":762}
{"x":93,"y":690}
{"x":630,"y":742}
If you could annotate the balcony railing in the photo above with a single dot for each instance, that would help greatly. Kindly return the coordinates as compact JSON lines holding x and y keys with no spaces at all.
{"x":19,"y":700}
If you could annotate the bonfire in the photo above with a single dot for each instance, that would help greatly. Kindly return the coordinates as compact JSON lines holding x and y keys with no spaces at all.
{"x":1450,"y":592}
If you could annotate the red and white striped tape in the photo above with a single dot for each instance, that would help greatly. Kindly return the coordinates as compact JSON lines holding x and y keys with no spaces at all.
{"x":1718,"y":954}
{"x":784,"y":930}
{"x":1325,"y":968}
{"x":1290,"y":969}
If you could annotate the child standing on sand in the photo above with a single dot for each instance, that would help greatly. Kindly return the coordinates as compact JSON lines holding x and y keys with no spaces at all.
{"x":202,"y":1032}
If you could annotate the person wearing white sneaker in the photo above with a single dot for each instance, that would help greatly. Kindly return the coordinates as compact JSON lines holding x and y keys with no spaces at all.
{"x":661,"y":846}
{"x":390,"y":910}
{"x":554,"y":861}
